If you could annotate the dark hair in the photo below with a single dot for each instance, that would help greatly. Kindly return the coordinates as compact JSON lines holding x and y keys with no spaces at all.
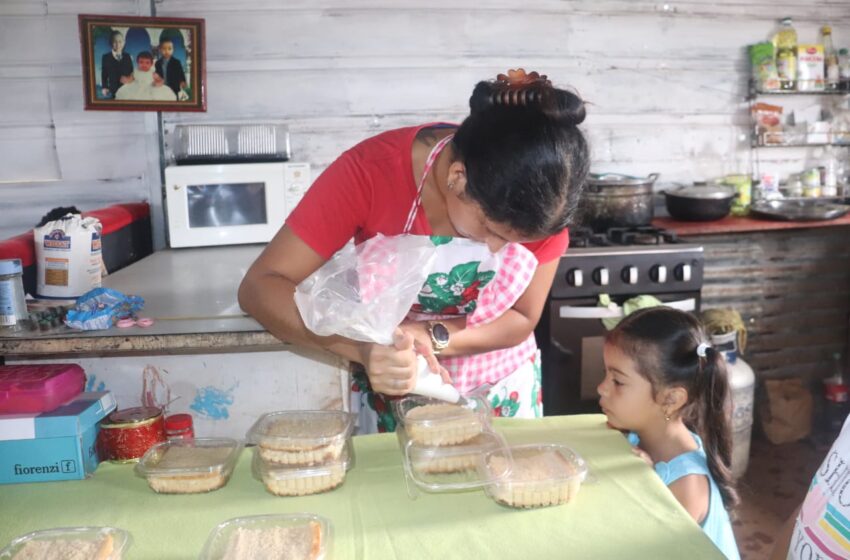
{"x":166,"y":40}
{"x":526,"y":159}
{"x":56,"y":213}
{"x":663,"y":343}
{"x":113,"y":34}
{"x":144,"y":54}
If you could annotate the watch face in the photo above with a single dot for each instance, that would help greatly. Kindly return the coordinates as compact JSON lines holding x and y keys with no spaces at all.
{"x":441,"y":333}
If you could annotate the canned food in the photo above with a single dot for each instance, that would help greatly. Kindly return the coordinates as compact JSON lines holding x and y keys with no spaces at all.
{"x":126,"y":435}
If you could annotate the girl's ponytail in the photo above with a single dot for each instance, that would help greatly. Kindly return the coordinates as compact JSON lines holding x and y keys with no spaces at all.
{"x":713,"y":424}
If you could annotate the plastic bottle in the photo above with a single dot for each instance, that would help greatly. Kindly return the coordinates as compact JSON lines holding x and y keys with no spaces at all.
{"x":786,"y":54}
{"x":179,"y":427}
{"x":844,"y":69}
{"x":13,"y":306}
{"x":837,"y":396}
{"x":742,"y":382}
{"x":830,"y":60}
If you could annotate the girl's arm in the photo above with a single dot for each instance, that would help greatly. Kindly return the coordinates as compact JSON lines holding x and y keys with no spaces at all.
{"x":267,"y":294}
{"x":783,"y":539}
{"x":693,"y":492}
{"x":510,"y":329}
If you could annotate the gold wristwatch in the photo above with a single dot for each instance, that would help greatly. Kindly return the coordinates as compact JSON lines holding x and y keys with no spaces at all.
{"x":439,"y":336}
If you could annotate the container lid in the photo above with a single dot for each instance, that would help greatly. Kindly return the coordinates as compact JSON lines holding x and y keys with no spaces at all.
{"x":301,"y":535}
{"x":178,"y":422}
{"x":263,"y":469}
{"x":473,"y":409}
{"x":10,"y":266}
{"x":300,"y":429}
{"x":133,"y":415}
{"x":188,"y":457}
{"x":533,"y":464}
{"x":618,"y":179}
{"x":451,"y":467}
{"x":101,"y":542}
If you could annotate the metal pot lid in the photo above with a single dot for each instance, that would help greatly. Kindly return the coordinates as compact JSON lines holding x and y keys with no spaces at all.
{"x":618,"y":179}
{"x":713,"y":192}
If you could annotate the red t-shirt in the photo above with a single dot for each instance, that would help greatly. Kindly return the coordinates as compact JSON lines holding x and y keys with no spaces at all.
{"x":368,"y":190}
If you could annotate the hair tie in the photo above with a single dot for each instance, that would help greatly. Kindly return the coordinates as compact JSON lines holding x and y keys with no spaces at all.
{"x":702,"y":348}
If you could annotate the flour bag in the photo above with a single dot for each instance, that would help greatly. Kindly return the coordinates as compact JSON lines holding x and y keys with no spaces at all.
{"x":68,"y":256}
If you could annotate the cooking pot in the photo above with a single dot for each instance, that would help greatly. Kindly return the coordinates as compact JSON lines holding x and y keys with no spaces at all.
{"x":700,"y":204}
{"x":615,"y":200}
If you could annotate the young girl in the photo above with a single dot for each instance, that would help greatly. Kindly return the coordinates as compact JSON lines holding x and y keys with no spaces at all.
{"x":664,"y":382}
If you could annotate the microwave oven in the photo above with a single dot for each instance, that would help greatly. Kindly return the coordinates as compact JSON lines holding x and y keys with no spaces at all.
{"x":231,"y":203}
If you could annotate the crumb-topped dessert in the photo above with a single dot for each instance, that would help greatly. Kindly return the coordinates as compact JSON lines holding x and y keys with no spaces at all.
{"x":302,"y":542}
{"x":453,"y":458}
{"x":539,"y":476}
{"x":301,"y":438}
{"x":204,"y":480}
{"x":442,"y":424}
{"x":291,"y":480}
{"x":68,"y":549}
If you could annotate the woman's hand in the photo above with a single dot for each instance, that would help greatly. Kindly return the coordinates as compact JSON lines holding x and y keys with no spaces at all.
{"x":391,"y":369}
{"x":423,"y":346}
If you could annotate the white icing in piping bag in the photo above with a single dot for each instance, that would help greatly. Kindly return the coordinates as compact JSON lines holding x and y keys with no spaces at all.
{"x":430,"y":384}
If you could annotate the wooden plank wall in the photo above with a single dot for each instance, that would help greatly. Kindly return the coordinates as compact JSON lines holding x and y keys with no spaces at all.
{"x":792,"y":288}
{"x":666,"y":82}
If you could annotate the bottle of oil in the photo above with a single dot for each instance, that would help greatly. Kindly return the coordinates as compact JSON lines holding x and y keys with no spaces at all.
{"x":830,"y":59}
{"x":786,"y":54}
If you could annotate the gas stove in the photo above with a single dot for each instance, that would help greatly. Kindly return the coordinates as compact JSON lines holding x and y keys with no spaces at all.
{"x":621,"y":263}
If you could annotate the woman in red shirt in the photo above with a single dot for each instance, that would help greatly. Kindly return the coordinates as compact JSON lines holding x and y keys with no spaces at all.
{"x":508,"y":177}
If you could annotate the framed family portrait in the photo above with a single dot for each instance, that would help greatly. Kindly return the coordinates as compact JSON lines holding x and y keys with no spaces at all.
{"x":143,"y":63}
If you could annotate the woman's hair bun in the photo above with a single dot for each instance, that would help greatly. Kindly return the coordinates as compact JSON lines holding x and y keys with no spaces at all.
{"x":528,"y":91}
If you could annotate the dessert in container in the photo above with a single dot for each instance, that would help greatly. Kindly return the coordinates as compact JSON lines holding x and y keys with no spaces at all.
{"x":189,"y":466}
{"x":291,"y":480}
{"x":450,"y":467}
{"x":432,"y":422}
{"x":91,"y":543}
{"x":540,"y":475}
{"x":294,"y":536}
{"x":301,"y":438}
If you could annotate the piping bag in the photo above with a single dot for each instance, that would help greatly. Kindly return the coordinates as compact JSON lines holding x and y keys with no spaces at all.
{"x":364,"y":292}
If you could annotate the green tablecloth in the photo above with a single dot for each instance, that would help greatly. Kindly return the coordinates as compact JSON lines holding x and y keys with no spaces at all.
{"x":625,"y":512}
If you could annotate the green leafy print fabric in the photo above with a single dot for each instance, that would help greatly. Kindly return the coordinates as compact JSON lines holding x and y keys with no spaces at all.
{"x":455,"y":292}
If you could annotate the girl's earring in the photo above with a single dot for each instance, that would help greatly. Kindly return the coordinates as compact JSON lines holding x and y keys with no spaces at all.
{"x":451,"y":186}
{"x":666,"y":416}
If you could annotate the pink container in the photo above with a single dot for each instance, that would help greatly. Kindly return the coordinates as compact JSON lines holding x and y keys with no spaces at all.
{"x":39,"y":388}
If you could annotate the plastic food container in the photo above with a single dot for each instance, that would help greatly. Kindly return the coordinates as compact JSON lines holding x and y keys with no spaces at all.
{"x":299,"y":438}
{"x":189,"y":466}
{"x":307,"y":536}
{"x":431,"y":422}
{"x":541,"y":475}
{"x":39,"y":388}
{"x":107,"y":543}
{"x":288,"y":480}
{"x":452,"y":467}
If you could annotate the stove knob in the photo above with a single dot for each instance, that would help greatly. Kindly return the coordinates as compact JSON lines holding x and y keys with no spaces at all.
{"x":600,"y":276}
{"x":658,"y":273}
{"x":575,"y":277}
{"x":683,"y":273}
{"x":630,"y":275}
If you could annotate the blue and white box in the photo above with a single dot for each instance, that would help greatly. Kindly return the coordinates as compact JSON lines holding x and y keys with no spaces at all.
{"x":55,"y":445}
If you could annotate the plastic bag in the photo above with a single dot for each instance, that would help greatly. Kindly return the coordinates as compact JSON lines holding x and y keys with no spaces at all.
{"x":364,"y":292}
{"x":100,"y":308}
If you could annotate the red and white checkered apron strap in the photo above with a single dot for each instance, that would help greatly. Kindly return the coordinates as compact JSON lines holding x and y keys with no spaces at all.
{"x":429,"y":163}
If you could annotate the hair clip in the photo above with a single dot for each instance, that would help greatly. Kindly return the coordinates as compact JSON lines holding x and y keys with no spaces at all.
{"x":701,"y":349}
{"x":517,"y":79}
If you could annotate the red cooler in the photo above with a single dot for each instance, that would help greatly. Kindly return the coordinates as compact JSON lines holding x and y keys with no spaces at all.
{"x":35,"y":388}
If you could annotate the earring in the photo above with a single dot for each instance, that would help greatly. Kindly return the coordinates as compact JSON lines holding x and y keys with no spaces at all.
{"x":451,"y":186}
{"x":666,"y":416}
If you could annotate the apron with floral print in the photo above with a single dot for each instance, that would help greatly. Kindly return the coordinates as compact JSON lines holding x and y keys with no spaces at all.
{"x":467,"y":279}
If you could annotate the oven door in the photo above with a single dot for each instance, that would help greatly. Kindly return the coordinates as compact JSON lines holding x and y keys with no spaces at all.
{"x":571,"y":336}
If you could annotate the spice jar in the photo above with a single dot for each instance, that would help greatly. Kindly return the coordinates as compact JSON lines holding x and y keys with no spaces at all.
{"x":127,"y":434}
{"x":13,"y":305}
{"x":179,"y":427}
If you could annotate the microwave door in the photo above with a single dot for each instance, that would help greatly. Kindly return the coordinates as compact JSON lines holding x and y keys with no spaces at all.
{"x":226,"y":205}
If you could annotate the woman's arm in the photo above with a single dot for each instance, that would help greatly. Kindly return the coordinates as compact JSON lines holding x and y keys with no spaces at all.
{"x":267,"y":294}
{"x":510,"y":329}
{"x":783,"y":539}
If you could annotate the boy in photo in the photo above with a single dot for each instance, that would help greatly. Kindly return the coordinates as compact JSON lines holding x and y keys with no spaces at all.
{"x":145,"y":84}
{"x":170,"y":68}
{"x":116,"y":66}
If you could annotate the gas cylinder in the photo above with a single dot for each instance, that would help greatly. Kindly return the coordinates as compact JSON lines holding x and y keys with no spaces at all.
{"x":741,"y":387}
